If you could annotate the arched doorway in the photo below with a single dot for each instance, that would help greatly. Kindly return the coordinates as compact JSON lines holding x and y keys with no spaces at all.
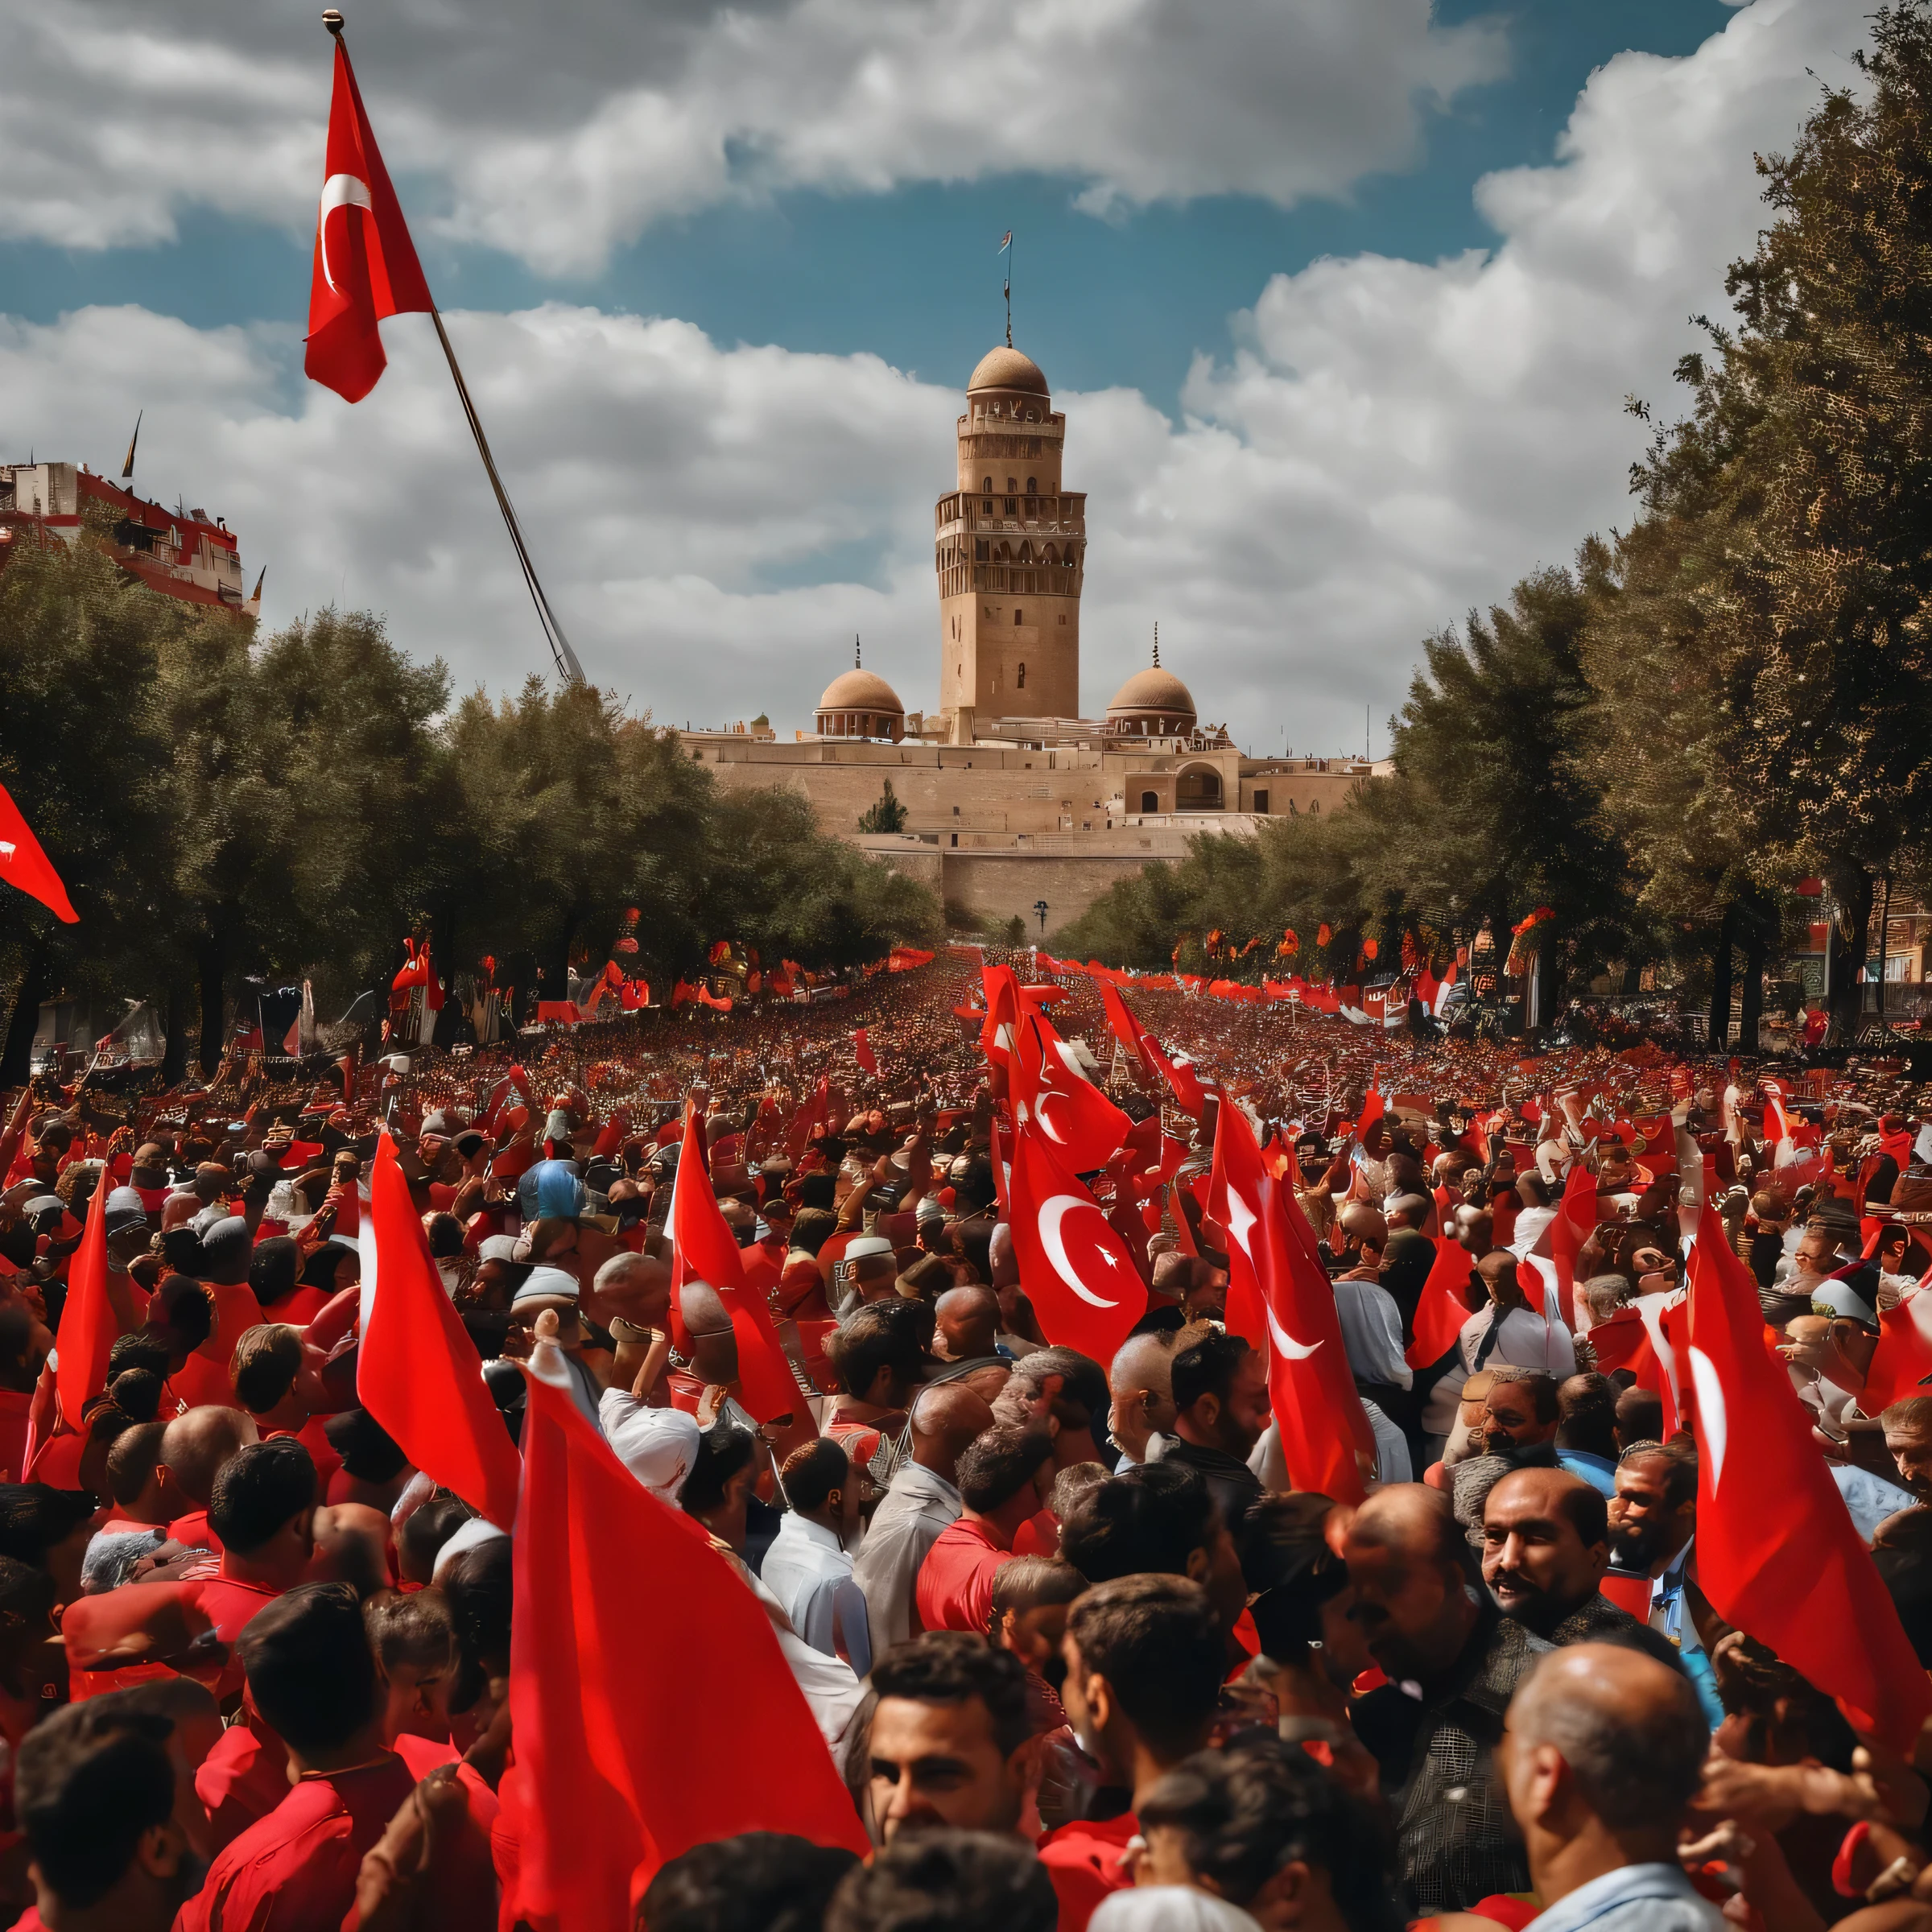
{"x":1197,"y":789}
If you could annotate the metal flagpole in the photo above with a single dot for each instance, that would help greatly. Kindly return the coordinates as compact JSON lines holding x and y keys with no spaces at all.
{"x":568,"y":666}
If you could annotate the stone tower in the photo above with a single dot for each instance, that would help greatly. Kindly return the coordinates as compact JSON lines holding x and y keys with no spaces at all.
{"x":1010,"y":546}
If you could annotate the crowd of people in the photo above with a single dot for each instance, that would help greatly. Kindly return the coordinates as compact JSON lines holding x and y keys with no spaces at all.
{"x":1078,"y":1649}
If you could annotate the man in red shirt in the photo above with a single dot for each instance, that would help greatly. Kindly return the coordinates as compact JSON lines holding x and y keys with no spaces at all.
{"x":1144,"y":1668}
{"x":193,"y":1452}
{"x":277,"y":1376}
{"x":312,"y":1675}
{"x":1004,"y":1479}
{"x":94,"y":1790}
{"x":264,"y":1511}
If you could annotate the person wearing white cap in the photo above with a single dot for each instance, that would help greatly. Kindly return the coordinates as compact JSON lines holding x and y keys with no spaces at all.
{"x":546,"y":1287}
{"x":657,"y":1445}
{"x":865,"y":1272}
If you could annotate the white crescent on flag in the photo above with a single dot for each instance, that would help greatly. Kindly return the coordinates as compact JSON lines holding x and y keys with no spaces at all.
{"x":1053,"y":1211}
{"x":1714,"y":1422}
{"x":6,"y":849}
{"x":338,"y":191}
{"x":1285,"y":1344}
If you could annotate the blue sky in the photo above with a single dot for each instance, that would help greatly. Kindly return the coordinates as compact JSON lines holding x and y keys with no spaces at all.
{"x":1342,"y":298}
{"x":912,"y":275}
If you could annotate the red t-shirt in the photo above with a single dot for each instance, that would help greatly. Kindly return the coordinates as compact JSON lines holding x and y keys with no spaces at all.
{"x":243,"y":1779}
{"x":295,"y":1870}
{"x":954,"y":1589}
{"x":15,"y":1406}
{"x":1083,"y":1860}
{"x":204,"y":1377}
{"x":1039,"y":1535}
{"x":195,"y":1531}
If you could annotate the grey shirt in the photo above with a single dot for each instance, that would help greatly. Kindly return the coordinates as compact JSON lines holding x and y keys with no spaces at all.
{"x":917,"y":1505}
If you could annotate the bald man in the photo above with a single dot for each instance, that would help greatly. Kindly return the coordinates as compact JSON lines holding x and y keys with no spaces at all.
{"x":1141,"y":1383}
{"x":1604,"y":1749}
{"x":1453,"y":1660}
{"x":1546,"y":1547}
{"x":922,"y":1500}
{"x":195,"y":1448}
{"x":966,"y":1320}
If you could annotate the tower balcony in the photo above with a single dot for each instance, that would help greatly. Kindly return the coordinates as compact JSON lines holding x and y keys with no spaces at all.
{"x":1050,"y":516}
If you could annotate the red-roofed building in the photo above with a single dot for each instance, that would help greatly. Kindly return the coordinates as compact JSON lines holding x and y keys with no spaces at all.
{"x":184,"y":554}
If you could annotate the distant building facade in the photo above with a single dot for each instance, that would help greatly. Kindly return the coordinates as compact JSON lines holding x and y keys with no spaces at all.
{"x":184,"y":554}
{"x":1012,"y":796}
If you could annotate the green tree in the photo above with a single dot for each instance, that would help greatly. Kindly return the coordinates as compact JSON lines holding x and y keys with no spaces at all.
{"x":886,"y":814}
{"x":1795,"y":503}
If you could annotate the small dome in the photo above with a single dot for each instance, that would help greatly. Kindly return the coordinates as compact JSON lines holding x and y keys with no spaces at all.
{"x":1005,"y":368}
{"x":861,"y":691}
{"x":1153,"y":693}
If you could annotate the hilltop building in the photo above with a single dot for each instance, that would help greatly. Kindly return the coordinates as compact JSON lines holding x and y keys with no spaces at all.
{"x":1012,"y":797}
{"x":180,"y":553}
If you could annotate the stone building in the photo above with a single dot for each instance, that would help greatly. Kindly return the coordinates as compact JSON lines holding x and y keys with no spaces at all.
{"x":1012,"y":798}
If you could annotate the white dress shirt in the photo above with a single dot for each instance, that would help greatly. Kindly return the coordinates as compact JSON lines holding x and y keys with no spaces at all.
{"x":807,"y":1570}
{"x":1371,"y":1332}
{"x":917,"y":1505}
{"x":1524,"y":1341}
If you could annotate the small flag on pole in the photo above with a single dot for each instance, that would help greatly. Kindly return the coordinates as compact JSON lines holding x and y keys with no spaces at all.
{"x":1006,"y":243}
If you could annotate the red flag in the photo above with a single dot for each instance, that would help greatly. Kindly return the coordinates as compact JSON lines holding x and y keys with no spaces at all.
{"x":1075,"y":1269}
{"x":1440,"y":1309}
{"x":1271,"y":1255}
{"x":861,"y":1051}
{"x":1576,"y":1222}
{"x":23,"y":864}
{"x":627,"y":1767}
{"x":811,"y":1114}
{"x":1002,"y":1017}
{"x":1795,"y":1575}
{"x":1048,"y":1090}
{"x":417,"y":1371}
{"x":1141,"y":1043}
{"x":1373,"y":1109}
{"x":88,"y":1328}
{"x":1903,"y":1360}
{"x":366,"y":265}
{"x":704,"y":1249}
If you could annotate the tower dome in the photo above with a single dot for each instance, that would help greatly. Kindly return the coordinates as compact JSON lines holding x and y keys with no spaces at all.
{"x":1152,"y":704}
{"x":1005,"y":368}
{"x":859,"y":704}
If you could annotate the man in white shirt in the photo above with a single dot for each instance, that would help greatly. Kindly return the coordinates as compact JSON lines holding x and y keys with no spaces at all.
{"x":921,"y":1500}
{"x":1508,"y":1332}
{"x":806,"y":1568}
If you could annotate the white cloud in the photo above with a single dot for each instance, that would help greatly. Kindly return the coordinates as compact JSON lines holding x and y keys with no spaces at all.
{"x":556,"y":133}
{"x":1390,"y":442}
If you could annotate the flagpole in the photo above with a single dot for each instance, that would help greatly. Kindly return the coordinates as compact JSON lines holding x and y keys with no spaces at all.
{"x":568,"y":666}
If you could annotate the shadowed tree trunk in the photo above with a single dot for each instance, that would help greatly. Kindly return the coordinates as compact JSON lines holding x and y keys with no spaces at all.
{"x":1851,"y":893}
{"x":16,"y":1057}
{"x":1720,"y":979}
{"x":212,"y":958}
{"x":173,"y":1057}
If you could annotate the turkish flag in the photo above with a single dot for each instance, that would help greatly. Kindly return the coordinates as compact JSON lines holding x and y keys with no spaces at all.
{"x":23,"y":864}
{"x":1440,"y":1309}
{"x":1276,"y":1284}
{"x":1902,"y":1361}
{"x":861,"y":1051}
{"x":1048,"y":1091}
{"x":1777,"y":1553}
{"x":88,"y":1328}
{"x":704,"y":1249}
{"x":1141,"y":1043}
{"x":628,"y":1763}
{"x":366,"y":265}
{"x":1002,"y":1016}
{"x":1075,"y":1269}
{"x":417,"y":1372}
{"x":1576,"y":1222}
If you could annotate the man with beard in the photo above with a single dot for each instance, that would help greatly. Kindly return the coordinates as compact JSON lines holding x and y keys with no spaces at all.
{"x":1545,"y":1546}
{"x":1652,"y":1527}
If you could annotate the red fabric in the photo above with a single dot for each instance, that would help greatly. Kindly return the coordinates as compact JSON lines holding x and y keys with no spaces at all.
{"x":1048,"y":1090}
{"x":417,"y":1371}
{"x":366,"y":265}
{"x":195,"y":1531}
{"x":204,"y":1378}
{"x":1575,"y":1221}
{"x":23,"y":864}
{"x":604,"y":1573}
{"x":1903,"y":1358}
{"x":87,"y":1327}
{"x":955,"y":1588}
{"x":1076,"y":1271}
{"x":1440,"y":1309}
{"x":1083,"y":1860}
{"x":861,"y":1051}
{"x":1135,"y":1037}
{"x":295,"y":1870}
{"x":1279,"y":1298}
{"x":243,"y":1779}
{"x":704,"y":1249}
{"x":1797,"y":1577}
{"x":1617,"y":1341}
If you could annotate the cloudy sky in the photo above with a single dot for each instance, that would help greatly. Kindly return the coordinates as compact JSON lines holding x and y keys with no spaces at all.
{"x":1341,"y":298}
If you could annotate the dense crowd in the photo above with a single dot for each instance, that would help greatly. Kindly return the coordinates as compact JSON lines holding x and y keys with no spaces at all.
{"x":1062,"y":1638}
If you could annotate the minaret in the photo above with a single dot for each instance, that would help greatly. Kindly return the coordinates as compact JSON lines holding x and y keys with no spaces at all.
{"x":1009,"y":547}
